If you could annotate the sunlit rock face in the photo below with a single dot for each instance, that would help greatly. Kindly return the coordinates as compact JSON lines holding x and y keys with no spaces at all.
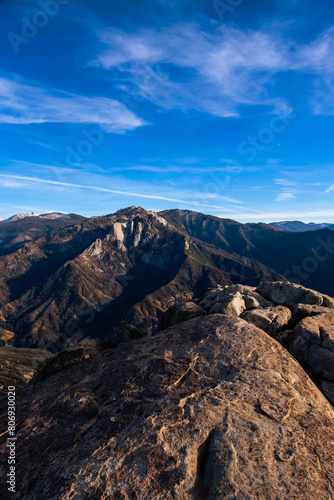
{"x":302,"y":320}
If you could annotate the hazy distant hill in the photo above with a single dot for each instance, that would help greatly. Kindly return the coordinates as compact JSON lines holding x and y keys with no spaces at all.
{"x":17,"y":217}
{"x":298,"y":226}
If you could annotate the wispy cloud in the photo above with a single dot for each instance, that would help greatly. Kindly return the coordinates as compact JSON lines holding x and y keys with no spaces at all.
{"x":23,"y":104}
{"x":284,"y":196}
{"x":189,"y":202}
{"x":217,"y":67}
{"x":181,"y":169}
{"x":7,"y":183}
{"x":217,"y":72}
{"x":285,"y":182}
{"x":288,"y":186}
{"x":317,"y":59}
{"x":329,"y":190}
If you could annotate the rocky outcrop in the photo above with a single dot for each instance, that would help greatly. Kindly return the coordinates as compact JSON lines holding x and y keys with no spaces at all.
{"x":302,"y":320}
{"x":243,"y":297}
{"x":271,"y":320}
{"x":301,"y":311}
{"x":288,"y":294}
{"x":18,"y":365}
{"x":180,"y":313}
{"x":210,"y":408}
{"x":69,"y":357}
{"x":313,"y":346}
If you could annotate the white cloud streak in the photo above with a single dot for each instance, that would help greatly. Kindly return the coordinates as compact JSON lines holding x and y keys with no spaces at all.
{"x":285,"y":182}
{"x":284,"y":196}
{"x":107,"y":190}
{"x":329,"y":190}
{"x":25,"y":104}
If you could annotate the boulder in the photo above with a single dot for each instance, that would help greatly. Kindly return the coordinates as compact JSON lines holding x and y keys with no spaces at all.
{"x":271,"y":320}
{"x":301,"y":311}
{"x":275,"y":308}
{"x":328,"y":302}
{"x":210,"y":408}
{"x":222,"y":292}
{"x":313,"y":346}
{"x":225,"y":295}
{"x":217,"y":295}
{"x":232,"y":305}
{"x":251,"y":302}
{"x":181,"y":312}
{"x":290,"y":294}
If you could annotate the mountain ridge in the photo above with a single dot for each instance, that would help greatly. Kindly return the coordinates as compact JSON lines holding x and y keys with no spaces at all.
{"x":20,"y":216}
{"x":107,"y":273}
{"x":299,"y":226}
{"x":14,"y":233}
{"x":103,"y":263}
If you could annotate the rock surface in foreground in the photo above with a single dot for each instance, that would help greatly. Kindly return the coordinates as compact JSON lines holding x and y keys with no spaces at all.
{"x":211,"y":408}
{"x":302,"y":320}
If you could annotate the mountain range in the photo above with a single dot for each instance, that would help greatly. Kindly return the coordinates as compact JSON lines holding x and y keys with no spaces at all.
{"x":114,"y":276}
{"x":21,"y":228}
{"x":16,"y":217}
{"x":298,"y":226}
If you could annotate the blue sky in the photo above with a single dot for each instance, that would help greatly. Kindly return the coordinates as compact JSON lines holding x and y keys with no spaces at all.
{"x":225,"y":108}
